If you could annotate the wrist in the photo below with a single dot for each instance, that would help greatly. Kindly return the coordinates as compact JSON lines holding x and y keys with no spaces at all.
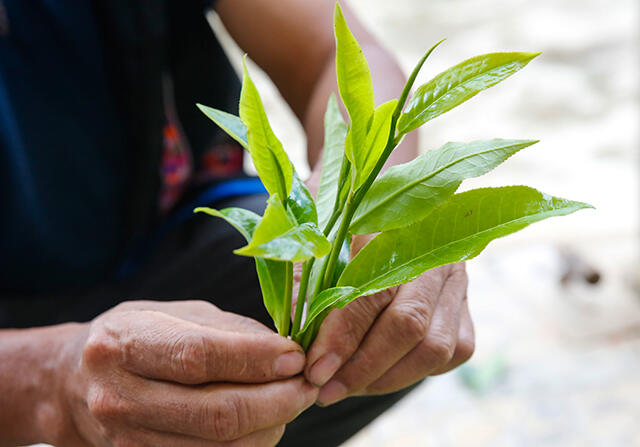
{"x":36,"y":365}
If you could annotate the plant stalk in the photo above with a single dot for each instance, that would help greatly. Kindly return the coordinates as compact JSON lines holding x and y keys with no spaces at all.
{"x":287,"y":298}
{"x":302,"y":297}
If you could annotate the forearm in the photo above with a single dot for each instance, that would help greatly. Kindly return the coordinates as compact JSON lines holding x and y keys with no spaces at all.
{"x":32,"y":361}
{"x":388,"y":81}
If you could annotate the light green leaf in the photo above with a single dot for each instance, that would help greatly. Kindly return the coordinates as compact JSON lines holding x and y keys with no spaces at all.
{"x":457,"y":84}
{"x":366,"y":157}
{"x":329,"y":299}
{"x":270,"y":159}
{"x":271,"y":274}
{"x":278,"y":237}
{"x":301,"y":203}
{"x":335,"y":131}
{"x":275,"y":222}
{"x":354,"y":83}
{"x":406,"y":193}
{"x":231,"y":124}
{"x":457,"y":230}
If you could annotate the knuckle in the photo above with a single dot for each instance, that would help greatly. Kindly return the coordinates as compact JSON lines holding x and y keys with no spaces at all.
{"x":227,"y":420}
{"x":410,"y":321}
{"x":100,"y":348}
{"x":105,"y":405}
{"x":438,"y":351}
{"x":188,"y":353}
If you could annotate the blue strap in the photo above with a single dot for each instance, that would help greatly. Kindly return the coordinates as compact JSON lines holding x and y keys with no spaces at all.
{"x":216,"y":193}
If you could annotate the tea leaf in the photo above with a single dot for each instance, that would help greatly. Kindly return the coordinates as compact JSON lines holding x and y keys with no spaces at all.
{"x":270,"y":159}
{"x":365,"y":158}
{"x":329,"y":299}
{"x":335,"y":131}
{"x":457,"y":84}
{"x":354,"y":83}
{"x":301,"y":203}
{"x":271,"y":274}
{"x":231,"y":124}
{"x":278,"y":237}
{"x":457,"y":230}
{"x":406,"y":193}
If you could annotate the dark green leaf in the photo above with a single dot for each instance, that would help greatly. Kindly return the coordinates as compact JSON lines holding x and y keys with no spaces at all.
{"x":231,"y":124}
{"x":406,"y":193}
{"x":457,"y":84}
{"x":301,"y":203}
{"x":271,"y":274}
{"x":244,"y":221}
{"x":457,"y":230}
{"x":335,"y":131}
{"x":270,"y":159}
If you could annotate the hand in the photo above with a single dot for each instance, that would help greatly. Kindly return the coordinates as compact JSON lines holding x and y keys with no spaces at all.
{"x":390,"y":340}
{"x":182,"y":374}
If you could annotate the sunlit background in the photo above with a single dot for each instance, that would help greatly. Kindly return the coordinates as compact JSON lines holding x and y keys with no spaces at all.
{"x":557,"y":306}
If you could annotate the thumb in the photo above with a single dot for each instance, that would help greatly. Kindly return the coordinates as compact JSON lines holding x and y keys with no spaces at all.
{"x":160,"y":346}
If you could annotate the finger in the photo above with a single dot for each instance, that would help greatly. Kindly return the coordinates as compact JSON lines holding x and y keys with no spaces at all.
{"x":216,"y":412}
{"x":340,"y":335}
{"x":262,"y":438}
{"x":402,"y":326}
{"x":465,"y":344}
{"x":438,"y":348}
{"x":156,"y":345}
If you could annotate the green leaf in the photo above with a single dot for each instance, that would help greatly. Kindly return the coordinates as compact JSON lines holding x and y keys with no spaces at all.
{"x":271,"y":274}
{"x":296,"y":245}
{"x":278,"y":237}
{"x":343,"y":258}
{"x":365,"y":158}
{"x":329,"y":299}
{"x":270,"y":159}
{"x":301,"y":203}
{"x":335,"y":131}
{"x":354,"y":83}
{"x":457,"y":230}
{"x":231,"y":124}
{"x":457,"y":84}
{"x":406,"y":193}
{"x":244,"y":221}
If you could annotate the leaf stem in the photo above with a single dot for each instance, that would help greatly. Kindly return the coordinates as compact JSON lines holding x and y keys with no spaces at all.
{"x":287,"y":298}
{"x":302,"y":296}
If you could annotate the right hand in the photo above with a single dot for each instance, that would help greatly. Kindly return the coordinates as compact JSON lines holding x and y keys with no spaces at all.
{"x":181,"y":374}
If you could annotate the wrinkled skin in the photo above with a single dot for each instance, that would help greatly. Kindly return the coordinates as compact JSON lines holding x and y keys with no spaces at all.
{"x":181,"y":374}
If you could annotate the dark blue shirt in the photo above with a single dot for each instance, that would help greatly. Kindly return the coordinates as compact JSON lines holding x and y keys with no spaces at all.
{"x":63,"y":165}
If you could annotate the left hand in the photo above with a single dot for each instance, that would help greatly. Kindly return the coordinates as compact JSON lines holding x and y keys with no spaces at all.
{"x":385,"y":342}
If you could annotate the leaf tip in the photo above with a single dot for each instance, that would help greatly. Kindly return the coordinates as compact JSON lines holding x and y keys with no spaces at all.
{"x":529,"y":56}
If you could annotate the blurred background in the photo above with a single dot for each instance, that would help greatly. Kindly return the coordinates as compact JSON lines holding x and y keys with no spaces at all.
{"x":557,"y":306}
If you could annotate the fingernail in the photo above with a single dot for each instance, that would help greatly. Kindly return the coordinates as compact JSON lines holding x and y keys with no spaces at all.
{"x":289,"y":364}
{"x":331,"y":393}
{"x":324,"y":368}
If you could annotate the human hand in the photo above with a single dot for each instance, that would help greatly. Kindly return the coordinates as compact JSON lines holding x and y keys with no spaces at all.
{"x":181,"y":374}
{"x":388,"y":341}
